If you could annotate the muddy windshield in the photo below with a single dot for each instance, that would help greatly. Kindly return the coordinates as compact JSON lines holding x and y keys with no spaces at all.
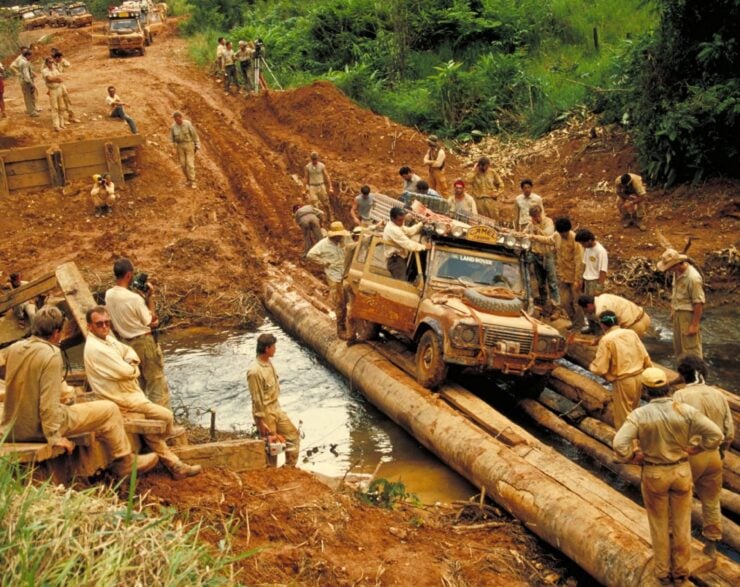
{"x":80,"y":10}
{"x":123,"y":25}
{"x":474,"y":267}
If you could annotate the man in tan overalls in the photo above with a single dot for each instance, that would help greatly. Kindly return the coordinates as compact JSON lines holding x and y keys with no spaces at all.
{"x":318,"y":185}
{"x":55,"y":89}
{"x":631,"y":200}
{"x":485,"y":186}
{"x":620,"y":358}
{"x":435,"y":162}
{"x":272,"y":422}
{"x":186,"y":141}
{"x":660,"y":436}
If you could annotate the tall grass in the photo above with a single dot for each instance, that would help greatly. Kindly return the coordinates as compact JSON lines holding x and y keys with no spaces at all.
{"x":52,"y":535}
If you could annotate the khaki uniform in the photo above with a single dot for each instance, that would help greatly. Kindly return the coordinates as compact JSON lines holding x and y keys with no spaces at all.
{"x":112,"y":369}
{"x":61,"y":66}
{"x":630,"y":211}
{"x":665,"y":429}
{"x":332,"y":258}
{"x":688,"y":289}
{"x":542,"y":259}
{"x":629,"y":315}
{"x":706,"y":467}
{"x":435,"y":162}
{"x":25,"y":71}
{"x":186,"y":141}
{"x":397,"y":245}
{"x":465,"y":205}
{"x":317,"y":194}
{"x":522,"y":206}
{"x":308,"y":218}
{"x":56,"y":97}
{"x":131,"y":319}
{"x":103,"y":196}
{"x":621,"y":359}
{"x":265,"y":389}
{"x":33,"y":411}
{"x":569,"y":267}
{"x":486,"y":188}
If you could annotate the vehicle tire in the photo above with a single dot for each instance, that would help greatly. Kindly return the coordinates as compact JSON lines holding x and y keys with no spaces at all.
{"x":143,"y":51}
{"x":365,"y":330}
{"x":111,"y":52}
{"x":431,"y":370}
{"x":497,"y":300}
{"x":530,"y":386}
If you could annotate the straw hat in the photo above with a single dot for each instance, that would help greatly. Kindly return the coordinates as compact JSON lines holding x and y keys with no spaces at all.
{"x":432,"y":140}
{"x":669,"y":258}
{"x":654,"y":377}
{"x":336,"y":228}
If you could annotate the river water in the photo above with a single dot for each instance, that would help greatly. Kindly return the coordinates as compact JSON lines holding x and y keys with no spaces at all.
{"x":343,"y":432}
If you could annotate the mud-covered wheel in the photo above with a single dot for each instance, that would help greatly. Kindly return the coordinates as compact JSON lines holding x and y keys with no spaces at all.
{"x":497,"y":300}
{"x":111,"y":53}
{"x":142,"y":51}
{"x":530,"y":386}
{"x":365,"y":330}
{"x":431,"y":369}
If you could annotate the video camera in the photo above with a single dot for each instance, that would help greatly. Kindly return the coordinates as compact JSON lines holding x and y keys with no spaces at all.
{"x":141,"y":282}
{"x":258,"y":48}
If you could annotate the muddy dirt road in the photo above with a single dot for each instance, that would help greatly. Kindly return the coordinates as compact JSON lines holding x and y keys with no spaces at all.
{"x":207,"y":246}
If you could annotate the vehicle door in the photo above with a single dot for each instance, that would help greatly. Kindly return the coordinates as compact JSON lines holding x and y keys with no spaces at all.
{"x":382,"y":299}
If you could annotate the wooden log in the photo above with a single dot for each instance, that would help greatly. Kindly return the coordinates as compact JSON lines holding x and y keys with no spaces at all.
{"x":55,"y":162}
{"x":4,"y":190}
{"x":31,"y":290}
{"x":113,"y":162}
{"x":11,"y":329}
{"x":76,"y":292}
{"x":143,"y":426}
{"x":236,"y":455}
{"x":598,"y":430}
{"x":596,"y":400}
{"x":612,"y":552}
{"x":602,"y":454}
{"x":567,"y":409}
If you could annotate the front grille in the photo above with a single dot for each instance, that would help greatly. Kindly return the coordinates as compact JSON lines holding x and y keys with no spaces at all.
{"x":496,"y":334}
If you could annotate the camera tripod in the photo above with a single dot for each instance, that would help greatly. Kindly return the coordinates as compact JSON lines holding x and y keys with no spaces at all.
{"x":259,"y":81}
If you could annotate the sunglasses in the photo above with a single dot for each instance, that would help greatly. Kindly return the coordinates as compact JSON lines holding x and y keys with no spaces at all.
{"x":102,"y":323}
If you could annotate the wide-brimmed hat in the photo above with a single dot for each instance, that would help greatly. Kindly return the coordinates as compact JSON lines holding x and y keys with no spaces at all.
{"x":669,"y":258}
{"x":654,"y":377}
{"x":432,"y":139}
{"x":336,"y":228}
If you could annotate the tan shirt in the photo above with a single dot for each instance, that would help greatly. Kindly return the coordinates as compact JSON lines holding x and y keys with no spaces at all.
{"x":244,"y":53}
{"x":620,"y":354}
{"x":228,"y":57}
{"x":396,"y":239}
{"x":485,"y":184}
{"x":634,"y":188}
{"x":687,"y":290}
{"x":112,"y":369}
{"x":711,"y":402}
{"x":128,"y":312}
{"x":465,"y":204}
{"x":33,"y":387}
{"x":569,"y":260}
{"x":110,"y":188}
{"x":48,"y":73}
{"x":628,"y":313}
{"x":264,"y":388}
{"x":522,"y":206}
{"x":665,"y":429}
{"x":184,"y":133}
{"x":542,"y":235}
{"x":435,"y":158}
{"x":315,"y":173}
{"x":330,"y":256}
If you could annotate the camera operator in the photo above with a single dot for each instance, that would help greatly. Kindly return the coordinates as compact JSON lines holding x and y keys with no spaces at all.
{"x":103,"y":194}
{"x":134,"y":316}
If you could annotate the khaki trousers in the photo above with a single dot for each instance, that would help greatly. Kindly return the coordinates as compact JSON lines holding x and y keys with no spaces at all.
{"x":29,"y":97}
{"x":67,"y":103}
{"x":683,"y":343}
{"x":157,"y":442}
{"x":706,"y":470}
{"x":340,"y":307}
{"x":626,"y":395}
{"x":311,"y":227}
{"x":319,"y":198}
{"x":666,"y":492}
{"x":186,"y":157}
{"x":279,"y":423}
{"x":437,"y":180}
{"x":154,"y":383}
{"x":488,"y":206}
{"x":569,"y":302}
{"x":592,"y":287}
{"x":104,"y":419}
{"x":58,"y":107}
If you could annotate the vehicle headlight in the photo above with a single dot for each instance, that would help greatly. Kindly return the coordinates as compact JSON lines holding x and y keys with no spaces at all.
{"x":510,"y":241}
{"x":466,"y":335}
{"x":550,"y":344}
{"x":440,"y":229}
{"x":525,"y":244}
{"x":458,"y":231}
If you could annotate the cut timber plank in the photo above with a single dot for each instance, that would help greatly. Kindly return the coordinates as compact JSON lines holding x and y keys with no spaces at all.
{"x":27,"y":292}
{"x":31,"y":180}
{"x":24,"y":154}
{"x":113,"y":162}
{"x":26,"y":167}
{"x":11,"y":329}
{"x":4,"y":190}
{"x":143,"y":426}
{"x":55,"y":161}
{"x":237,"y":455}
{"x":30,"y":452}
{"x":76,"y":292}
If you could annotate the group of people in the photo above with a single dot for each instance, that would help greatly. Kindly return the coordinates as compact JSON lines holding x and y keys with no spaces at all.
{"x":246,"y":58}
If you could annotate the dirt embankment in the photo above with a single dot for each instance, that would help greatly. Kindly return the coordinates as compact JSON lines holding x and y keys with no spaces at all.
{"x":207,"y":246}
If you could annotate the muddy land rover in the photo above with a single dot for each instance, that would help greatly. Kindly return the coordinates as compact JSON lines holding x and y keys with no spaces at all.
{"x":78,"y":15}
{"x":125,"y":33}
{"x":462,"y":304}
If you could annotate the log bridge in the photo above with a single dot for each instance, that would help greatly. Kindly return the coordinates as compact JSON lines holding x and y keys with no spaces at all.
{"x":57,"y":164}
{"x":603,"y":531}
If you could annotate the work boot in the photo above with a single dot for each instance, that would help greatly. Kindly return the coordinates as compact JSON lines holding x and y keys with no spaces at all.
{"x":144,"y":463}
{"x":710,"y":548}
{"x":177,"y":431}
{"x":180,"y":470}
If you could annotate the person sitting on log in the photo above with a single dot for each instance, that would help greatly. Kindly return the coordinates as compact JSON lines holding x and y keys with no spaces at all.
{"x":112,"y":369}
{"x":33,"y":411}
